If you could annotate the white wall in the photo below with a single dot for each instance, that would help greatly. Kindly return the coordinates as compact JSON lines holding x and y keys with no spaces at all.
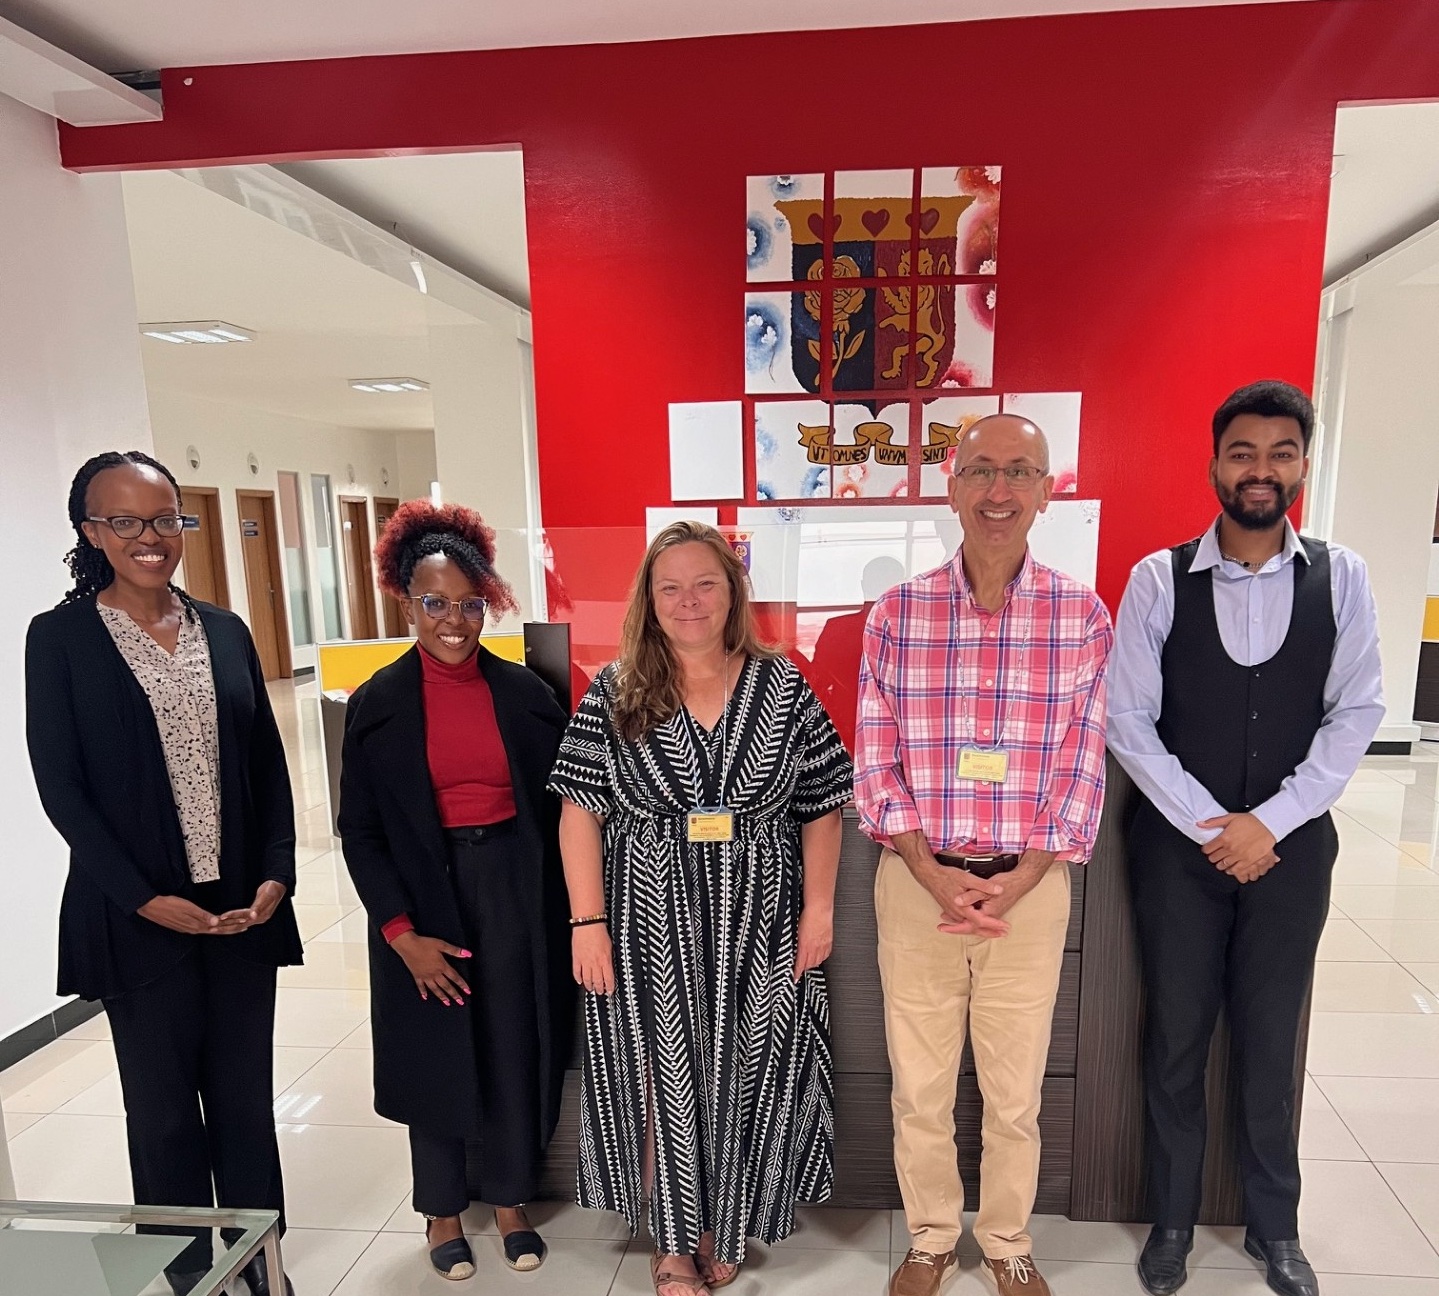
{"x":1386,"y":472}
{"x":478,"y":386}
{"x":416,"y":451}
{"x":70,"y":385}
{"x":226,"y":435}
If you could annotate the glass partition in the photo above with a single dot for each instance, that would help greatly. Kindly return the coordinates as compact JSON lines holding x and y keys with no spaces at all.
{"x":297,"y":571}
{"x":815,"y":573}
{"x":327,"y":555}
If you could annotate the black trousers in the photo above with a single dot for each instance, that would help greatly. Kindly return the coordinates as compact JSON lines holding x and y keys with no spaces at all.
{"x":196,"y":1056}
{"x":1207,"y":940}
{"x":506,"y":1029}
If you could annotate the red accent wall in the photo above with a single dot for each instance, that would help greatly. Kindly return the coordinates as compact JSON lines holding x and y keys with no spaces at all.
{"x":1166,"y":175}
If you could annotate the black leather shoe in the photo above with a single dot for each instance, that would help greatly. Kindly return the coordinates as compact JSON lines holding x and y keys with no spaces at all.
{"x":1287,"y":1271}
{"x":182,"y":1283}
{"x":257,"y":1275}
{"x":525,"y":1250}
{"x":1161,"y":1263}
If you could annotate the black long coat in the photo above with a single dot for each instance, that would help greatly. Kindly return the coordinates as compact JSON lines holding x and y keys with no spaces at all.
{"x":425,"y":1073}
{"x":100,"y":770}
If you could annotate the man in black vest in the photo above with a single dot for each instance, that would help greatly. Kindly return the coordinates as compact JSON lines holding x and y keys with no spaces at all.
{"x":1244,"y":689}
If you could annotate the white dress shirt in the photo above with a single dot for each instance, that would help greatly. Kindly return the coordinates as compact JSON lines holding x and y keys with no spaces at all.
{"x":1253,"y":610}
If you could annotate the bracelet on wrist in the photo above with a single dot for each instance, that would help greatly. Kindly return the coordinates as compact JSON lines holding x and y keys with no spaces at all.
{"x":589,"y":920}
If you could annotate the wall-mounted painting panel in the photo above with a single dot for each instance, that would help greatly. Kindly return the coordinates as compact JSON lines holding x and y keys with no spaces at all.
{"x":961,"y":207}
{"x":783,"y":350}
{"x":1056,"y":414}
{"x":790,"y":459}
{"x":1066,"y":537}
{"x":818,"y":557}
{"x":942,"y":423}
{"x":784,"y":234}
{"x":872,"y":218}
{"x":954,"y":335}
{"x":707,"y":450}
{"x":870,"y":456}
{"x":656,"y":519}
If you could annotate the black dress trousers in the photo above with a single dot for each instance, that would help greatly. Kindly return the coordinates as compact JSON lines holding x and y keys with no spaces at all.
{"x":506,"y":1031}
{"x":1208,"y":940}
{"x":196,"y":1060}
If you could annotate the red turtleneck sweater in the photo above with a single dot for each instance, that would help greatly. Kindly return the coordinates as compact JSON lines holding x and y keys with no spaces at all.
{"x":468,"y":765}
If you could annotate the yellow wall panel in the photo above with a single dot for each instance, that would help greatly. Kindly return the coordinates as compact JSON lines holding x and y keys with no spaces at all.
{"x":345,"y":666}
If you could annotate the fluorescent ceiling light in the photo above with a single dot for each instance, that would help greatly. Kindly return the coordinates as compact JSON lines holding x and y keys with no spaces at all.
{"x":389,"y":385}
{"x":197,"y":331}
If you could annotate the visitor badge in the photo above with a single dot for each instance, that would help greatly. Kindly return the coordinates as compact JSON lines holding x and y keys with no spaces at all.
{"x":984,"y":766}
{"x":711,"y":824}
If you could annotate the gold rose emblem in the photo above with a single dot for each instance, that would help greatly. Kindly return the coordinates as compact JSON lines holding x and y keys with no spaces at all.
{"x":846,"y":303}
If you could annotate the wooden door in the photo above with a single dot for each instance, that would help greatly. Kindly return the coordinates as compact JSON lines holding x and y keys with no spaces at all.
{"x":204,"y":574}
{"x":260,"y":545}
{"x":396,"y":627}
{"x":359,"y":570}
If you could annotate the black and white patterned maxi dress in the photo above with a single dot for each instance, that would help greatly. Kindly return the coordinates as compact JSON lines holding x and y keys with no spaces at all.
{"x":705,"y":1008}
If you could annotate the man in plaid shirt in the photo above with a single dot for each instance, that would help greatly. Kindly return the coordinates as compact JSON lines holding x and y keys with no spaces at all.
{"x":980,"y":769}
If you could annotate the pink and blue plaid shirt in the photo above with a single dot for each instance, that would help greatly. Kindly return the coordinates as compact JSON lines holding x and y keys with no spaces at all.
{"x":940,"y":674}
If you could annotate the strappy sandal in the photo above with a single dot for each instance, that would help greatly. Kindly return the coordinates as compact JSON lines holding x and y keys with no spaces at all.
{"x":662,"y":1278}
{"x":453,"y":1259}
{"x":708,"y":1265}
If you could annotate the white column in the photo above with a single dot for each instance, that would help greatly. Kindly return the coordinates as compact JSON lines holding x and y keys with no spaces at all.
{"x":1384,"y":472}
{"x":477,"y":384}
{"x":73,"y":385}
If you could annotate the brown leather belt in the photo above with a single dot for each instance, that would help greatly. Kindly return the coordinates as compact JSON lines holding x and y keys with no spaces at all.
{"x":983,"y":866}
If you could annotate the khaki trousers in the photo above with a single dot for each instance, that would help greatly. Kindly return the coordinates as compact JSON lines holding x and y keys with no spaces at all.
{"x":1006,"y":989}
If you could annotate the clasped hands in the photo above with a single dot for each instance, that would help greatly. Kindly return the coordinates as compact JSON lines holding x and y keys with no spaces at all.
{"x":181,"y":915}
{"x":975,"y":906}
{"x":1244,"y":848}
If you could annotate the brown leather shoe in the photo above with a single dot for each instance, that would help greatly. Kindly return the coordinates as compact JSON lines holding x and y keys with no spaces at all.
{"x":921,"y":1273}
{"x":1016,"y":1276}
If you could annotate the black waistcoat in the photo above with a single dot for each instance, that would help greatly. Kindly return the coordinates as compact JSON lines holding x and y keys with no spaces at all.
{"x":1242,"y":730}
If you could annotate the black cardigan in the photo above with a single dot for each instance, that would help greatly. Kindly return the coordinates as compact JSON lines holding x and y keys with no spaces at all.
{"x":100,"y":769}
{"x":396,"y":851}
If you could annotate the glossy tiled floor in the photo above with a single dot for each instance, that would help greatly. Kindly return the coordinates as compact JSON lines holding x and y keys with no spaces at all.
{"x":1370,"y":1141}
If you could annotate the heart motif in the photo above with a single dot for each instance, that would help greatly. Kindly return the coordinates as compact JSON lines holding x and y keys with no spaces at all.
{"x":875,"y":221}
{"x":928,"y":219}
{"x":817,"y":228}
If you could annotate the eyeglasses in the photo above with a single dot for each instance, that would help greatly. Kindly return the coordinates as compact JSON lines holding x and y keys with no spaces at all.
{"x":168,"y":525}
{"x":437,"y":606}
{"x":982,"y":475}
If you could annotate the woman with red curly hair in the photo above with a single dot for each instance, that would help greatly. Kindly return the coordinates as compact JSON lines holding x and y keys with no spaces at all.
{"x":452,"y":841}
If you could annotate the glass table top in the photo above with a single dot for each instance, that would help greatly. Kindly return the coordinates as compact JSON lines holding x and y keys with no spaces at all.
{"x":74,"y":1249}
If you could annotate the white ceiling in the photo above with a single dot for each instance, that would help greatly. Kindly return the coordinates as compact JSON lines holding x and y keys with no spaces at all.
{"x":127,"y":35}
{"x":465,"y":209}
{"x":321,"y":317}
{"x":1387,"y":185}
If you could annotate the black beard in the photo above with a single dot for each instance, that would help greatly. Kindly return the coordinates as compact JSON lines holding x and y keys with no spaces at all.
{"x":1257,"y":519}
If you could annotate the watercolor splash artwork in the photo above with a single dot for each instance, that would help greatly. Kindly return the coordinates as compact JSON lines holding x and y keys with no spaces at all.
{"x":871,"y":302}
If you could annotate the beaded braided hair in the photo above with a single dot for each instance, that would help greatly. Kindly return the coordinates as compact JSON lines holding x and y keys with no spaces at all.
{"x":418,"y":530}
{"x":87,"y":562}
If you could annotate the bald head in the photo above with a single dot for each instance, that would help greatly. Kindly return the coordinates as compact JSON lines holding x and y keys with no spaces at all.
{"x":1001,"y":440}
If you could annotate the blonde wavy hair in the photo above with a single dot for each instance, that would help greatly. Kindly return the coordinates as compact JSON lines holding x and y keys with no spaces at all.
{"x":648,"y":683}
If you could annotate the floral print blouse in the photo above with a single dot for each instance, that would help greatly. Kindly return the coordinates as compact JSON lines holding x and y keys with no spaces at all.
{"x":181,"y":690}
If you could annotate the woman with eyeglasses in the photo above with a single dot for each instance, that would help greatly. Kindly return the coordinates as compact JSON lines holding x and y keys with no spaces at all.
{"x":452,"y":841}
{"x":158,"y":759}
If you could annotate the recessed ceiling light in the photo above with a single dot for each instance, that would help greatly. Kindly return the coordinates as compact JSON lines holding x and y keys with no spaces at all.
{"x":197,"y":331}
{"x":389,"y":385}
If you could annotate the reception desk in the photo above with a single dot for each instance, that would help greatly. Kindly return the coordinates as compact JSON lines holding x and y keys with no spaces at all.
{"x":1092,"y":1120}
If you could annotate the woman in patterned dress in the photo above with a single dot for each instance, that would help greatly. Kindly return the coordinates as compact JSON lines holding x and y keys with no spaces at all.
{"x":157,"y":758}
{"x":703,"y":783}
